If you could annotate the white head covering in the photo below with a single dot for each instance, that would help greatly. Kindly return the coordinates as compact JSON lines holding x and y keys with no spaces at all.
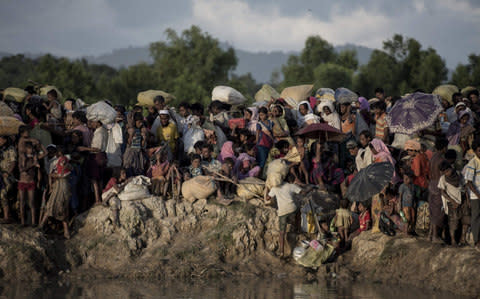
{"x":333,"y":119}
{"x":165,"y":112}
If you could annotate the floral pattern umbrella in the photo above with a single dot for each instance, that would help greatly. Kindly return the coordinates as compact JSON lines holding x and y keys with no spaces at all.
{"x":414,"y":113}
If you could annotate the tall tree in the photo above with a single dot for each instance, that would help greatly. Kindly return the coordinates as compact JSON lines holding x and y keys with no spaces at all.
{"x":348,"y":59}
{"x":333,"y":76}
{"x":468,"y":74}
{"x":190,"y":65}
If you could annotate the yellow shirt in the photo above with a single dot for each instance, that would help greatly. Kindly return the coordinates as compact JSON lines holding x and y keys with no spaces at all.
{"x":168,"y":134}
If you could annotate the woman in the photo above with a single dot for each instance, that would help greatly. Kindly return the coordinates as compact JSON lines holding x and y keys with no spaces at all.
{"x":280,"y":127}
{"x":305,"y":115}
{"x":329,"y":115}
{"x":381,"y":153}
{"x":227,"y":152}
{"x":251,"y":119}
{"x":134,"y":159}
{"x":325,"y":172}
{"x":460,"y":129}
{"x":264,"y":138}
{"x":347,"y":119}
{"x":58,"y":203}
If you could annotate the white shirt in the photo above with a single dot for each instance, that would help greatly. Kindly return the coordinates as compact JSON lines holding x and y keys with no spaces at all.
{"x":100,"y":139}
{"x":472,"y":174}
{"x":284,"y":195}
{"x":363,"y":158}
{"x":454,"y":192}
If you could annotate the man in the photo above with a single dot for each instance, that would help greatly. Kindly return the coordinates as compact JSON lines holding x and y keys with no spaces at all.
{"x":167,"y":131}
{"x":184,"y":117}
{"x":8,"y":160}
{"x":207,"y":160}
{"x":159,"y":104}
{"x":435,"y":203}
{"x":364,"y":155}
{"x":380,"y":94}
{"x":472,"y":178}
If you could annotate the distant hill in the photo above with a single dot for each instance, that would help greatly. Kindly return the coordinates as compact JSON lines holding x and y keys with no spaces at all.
{"x":259,"y":64}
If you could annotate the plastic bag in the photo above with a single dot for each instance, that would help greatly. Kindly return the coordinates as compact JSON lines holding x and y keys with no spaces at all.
{"x":102,"y":112}
{"x":228,"y":95}
{"x":14,"y":94}
{"x":145,"y":98}
{"x":191,"y":136}
{"x":266,"y":93}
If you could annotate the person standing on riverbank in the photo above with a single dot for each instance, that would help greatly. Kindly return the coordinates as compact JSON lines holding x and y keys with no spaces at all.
{"x":472,"y":178}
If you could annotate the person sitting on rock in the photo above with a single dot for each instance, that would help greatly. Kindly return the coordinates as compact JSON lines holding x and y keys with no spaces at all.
{"x":109,"y":195}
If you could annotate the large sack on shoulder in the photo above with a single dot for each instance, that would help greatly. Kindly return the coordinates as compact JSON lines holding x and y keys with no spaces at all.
{"x":250,"y":187}
{"x":445,"y":92}
{"x":200,"y":187}
{"x":276,"y":173}
{"x":9,"y":125}
{"x":102,"y":112}
{"x":266,"y":93}
{"x":228,"y":95}
{"x":298,"y":93}
{"x":145,"y":98}
{"x":14,"y":94}
{"x":5,"y":110}
{"x":45,"y":89}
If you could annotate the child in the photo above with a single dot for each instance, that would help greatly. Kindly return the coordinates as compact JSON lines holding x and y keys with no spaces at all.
{"x":195,"y":169}
{"x":54,"y":108}
{"x":227,"y":189}
{"x":407,"y":199}
{"x":58,"y":203}
{"x":159,"y":172}
{"x":364,"y":219}
{"x":29,"y":169}
{"x":287,"y":208}
{"x":115,"y":185}
{"x":264,"y":137}
{"x":450,"y":184}
{"x":343,"y":219}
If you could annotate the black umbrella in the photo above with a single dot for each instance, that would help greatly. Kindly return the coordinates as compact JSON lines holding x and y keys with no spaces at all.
{"x":370,"y":181}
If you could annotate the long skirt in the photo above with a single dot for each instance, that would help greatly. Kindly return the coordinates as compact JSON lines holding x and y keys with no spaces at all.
{"x":135,"y":161}
{"x":57,"y":205}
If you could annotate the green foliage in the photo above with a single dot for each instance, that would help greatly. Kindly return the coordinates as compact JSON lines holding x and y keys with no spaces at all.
{"x":468,"y":74}
{"x":333,"y":76}
{"x":192,"y":64}
{"x":348,"y":59}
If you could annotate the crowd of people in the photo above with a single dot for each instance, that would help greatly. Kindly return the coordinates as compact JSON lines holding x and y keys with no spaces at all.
{"x":58,"y":165}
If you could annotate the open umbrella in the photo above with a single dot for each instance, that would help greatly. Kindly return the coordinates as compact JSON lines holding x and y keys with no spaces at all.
{"x":370,"y":181}
{"x":321,"y":131}
{"x":345,"y":96}
{"x":414,"y":113}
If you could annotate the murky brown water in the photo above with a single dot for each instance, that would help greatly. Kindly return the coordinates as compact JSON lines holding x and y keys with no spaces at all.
{"x":244,"y":289}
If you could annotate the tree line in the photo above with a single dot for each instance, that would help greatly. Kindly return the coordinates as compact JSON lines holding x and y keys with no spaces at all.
{"x":189,"y":65}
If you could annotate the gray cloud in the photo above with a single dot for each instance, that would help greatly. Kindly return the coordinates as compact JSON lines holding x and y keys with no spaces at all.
{"x":91,"y":27}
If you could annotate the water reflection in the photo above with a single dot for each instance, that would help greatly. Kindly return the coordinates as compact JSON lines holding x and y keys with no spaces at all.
{"x":244,"y":289}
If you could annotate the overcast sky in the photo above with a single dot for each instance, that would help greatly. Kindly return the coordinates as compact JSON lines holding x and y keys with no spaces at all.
{"x":90,"y":27}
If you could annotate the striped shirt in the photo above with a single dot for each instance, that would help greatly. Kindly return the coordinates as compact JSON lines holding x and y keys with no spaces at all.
{"x":380,"y":125}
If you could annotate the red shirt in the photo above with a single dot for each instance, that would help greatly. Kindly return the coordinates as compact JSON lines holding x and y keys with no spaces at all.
{"x":421,"y":169}
{"x":364,"y":220}
{"x":112,"y":182}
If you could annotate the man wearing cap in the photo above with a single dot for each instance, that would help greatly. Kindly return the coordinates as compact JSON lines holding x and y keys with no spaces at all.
{"x":167,"y":131}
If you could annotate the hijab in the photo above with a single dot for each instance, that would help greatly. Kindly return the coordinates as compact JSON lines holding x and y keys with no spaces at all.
{"x":333,"y":119}
{"x":383,"y":153}
{"x":227,"y":152}
{"x":310,"y":117}
{"x":364,"y":105}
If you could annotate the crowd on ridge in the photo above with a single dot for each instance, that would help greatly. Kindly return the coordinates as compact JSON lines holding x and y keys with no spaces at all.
{"x":56,"y":167}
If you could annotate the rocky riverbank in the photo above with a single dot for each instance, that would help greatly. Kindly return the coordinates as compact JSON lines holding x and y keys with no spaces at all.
{"x":166,"y":240}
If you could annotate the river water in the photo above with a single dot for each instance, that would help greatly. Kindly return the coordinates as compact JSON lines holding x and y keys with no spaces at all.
{"x":244,"y":289}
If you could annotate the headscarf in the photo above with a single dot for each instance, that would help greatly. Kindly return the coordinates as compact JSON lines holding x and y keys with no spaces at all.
{"x":455,"y":128}
{"x":252,"y":124}
{"x":364,"y":105}
{"x":310,"y":117}
{"x":333,"y":119}
{"x":412,"y":145}
{"x":383,"y":153}
{"x":227,"y":152}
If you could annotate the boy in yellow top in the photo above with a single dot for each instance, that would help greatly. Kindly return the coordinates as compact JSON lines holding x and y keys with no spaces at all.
{"x":167,"y":131}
